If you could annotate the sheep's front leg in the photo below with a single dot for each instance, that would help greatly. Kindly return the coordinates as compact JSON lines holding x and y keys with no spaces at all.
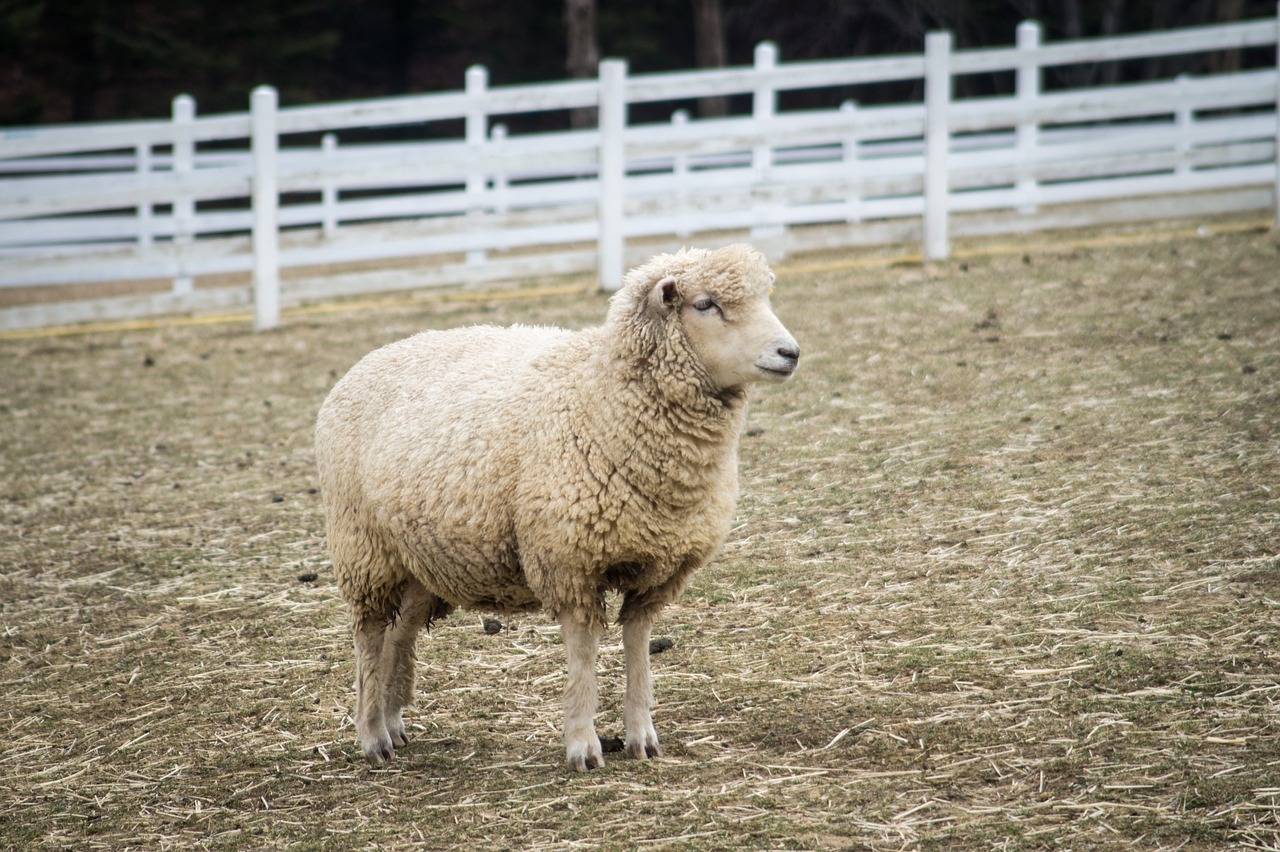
{"x":642,"y":739}
{"x":581,"y":644}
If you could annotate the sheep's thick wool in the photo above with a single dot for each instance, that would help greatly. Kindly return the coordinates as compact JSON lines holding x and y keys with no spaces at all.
{"x":513,"y":468}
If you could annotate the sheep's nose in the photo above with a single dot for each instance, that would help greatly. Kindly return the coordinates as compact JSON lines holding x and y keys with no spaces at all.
{"x":790,"y":352}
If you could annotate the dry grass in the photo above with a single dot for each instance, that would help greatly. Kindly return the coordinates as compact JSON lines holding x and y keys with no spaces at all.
{"x":1005,"y":573}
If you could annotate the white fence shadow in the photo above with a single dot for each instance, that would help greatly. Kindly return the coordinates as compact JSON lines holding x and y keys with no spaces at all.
{"x":274,"y":189}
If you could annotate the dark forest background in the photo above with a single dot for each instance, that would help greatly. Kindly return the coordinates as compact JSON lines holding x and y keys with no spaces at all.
{"x":87,"y":60}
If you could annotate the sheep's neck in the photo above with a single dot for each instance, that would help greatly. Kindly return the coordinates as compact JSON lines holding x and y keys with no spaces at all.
{"x":663,"y":451}
{"x":672,"y":402}
{"x":657,"y":356}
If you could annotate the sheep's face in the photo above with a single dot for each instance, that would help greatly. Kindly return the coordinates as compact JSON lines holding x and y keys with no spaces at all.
{"x":726,"y":316}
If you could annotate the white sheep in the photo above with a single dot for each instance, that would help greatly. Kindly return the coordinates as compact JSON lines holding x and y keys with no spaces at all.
{"x":511,"y":468}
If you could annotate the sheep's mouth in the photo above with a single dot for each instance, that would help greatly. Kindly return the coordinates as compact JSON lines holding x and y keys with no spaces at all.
{"x":776,"y":374}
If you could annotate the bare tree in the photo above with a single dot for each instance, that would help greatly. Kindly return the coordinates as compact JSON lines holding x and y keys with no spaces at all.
{"x":1224,"y":11}
{"x":710,"y":50}
{"x":583,"y":60}
{"x":1112,"y":14}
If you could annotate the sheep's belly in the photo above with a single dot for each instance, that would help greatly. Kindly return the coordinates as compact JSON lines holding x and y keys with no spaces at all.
{"x":475,"y":581}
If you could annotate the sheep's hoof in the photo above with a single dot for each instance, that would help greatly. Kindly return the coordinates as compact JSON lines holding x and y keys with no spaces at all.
{"x":642,"y":739}
{"x":378,"y":751}
{"x":585,"y":754}
{"x":641,"y":751}
{"x":395,"y":730}
{"x":644,"y":748}
{"x":380,"y":756}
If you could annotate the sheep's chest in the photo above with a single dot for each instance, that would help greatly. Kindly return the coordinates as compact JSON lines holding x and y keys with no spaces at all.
{"x":630,"y":505}
{"x":649,"y":541}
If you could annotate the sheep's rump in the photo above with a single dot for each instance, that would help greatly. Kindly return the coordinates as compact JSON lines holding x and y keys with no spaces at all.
{"x":417,"y":453}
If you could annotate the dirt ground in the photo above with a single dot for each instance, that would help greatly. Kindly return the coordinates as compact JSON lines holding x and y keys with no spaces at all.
{"x":1005,"y":574}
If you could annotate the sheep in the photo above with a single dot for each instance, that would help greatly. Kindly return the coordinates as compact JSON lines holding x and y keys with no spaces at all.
{"x":508,"y":469}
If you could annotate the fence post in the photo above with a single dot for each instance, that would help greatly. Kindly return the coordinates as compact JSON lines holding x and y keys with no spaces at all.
{"x":1276,"y":197}
{"x":184,"y":206}
{"x":477,"y":131}
{"x":613,"y":171}
{"x":1027,"y":92}
{"x":763,"y":107}
{"x":498,"y":138}
{"x":329,"y":191}
{"x":266,"y":201}
{"x":146,"y":228}
{"x":1182,"y":120}
{"x":937,"y":100}
{"x":852,"y":168}
{"x":680,"y":171}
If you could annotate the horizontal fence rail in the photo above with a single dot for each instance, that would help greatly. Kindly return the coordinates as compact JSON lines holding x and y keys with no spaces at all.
{"x":260,"y":207}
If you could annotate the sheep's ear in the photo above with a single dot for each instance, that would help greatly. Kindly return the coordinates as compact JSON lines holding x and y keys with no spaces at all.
{"x":662,"y":298}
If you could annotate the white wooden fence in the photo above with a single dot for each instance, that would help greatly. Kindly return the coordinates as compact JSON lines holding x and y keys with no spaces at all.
{"x":192,"y":197}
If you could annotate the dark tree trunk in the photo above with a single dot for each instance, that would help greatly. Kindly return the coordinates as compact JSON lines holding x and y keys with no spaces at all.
{"x":1152,"y":68}
{"x":401,"y":46}
{"x":1112,"y":14}
{"x":1223,"y":61}
{"x":709,"y":48}
{"x":583,"y":60}
{"x":85,"y":41}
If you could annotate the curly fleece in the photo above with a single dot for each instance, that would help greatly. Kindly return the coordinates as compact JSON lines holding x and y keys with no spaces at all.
{"x":511,"y":468}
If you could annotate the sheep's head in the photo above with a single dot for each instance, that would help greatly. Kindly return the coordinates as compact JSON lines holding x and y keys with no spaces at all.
{"x":715,"y":306}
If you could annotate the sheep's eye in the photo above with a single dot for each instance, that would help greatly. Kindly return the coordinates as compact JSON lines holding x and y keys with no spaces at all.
{"x":706,"y":305}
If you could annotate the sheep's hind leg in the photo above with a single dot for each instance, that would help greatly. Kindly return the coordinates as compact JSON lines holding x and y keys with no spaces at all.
{"x":642,"y":739}
{"x":371,"y":689}
{"x":581,"y":644}
{"x":417,"y":608}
